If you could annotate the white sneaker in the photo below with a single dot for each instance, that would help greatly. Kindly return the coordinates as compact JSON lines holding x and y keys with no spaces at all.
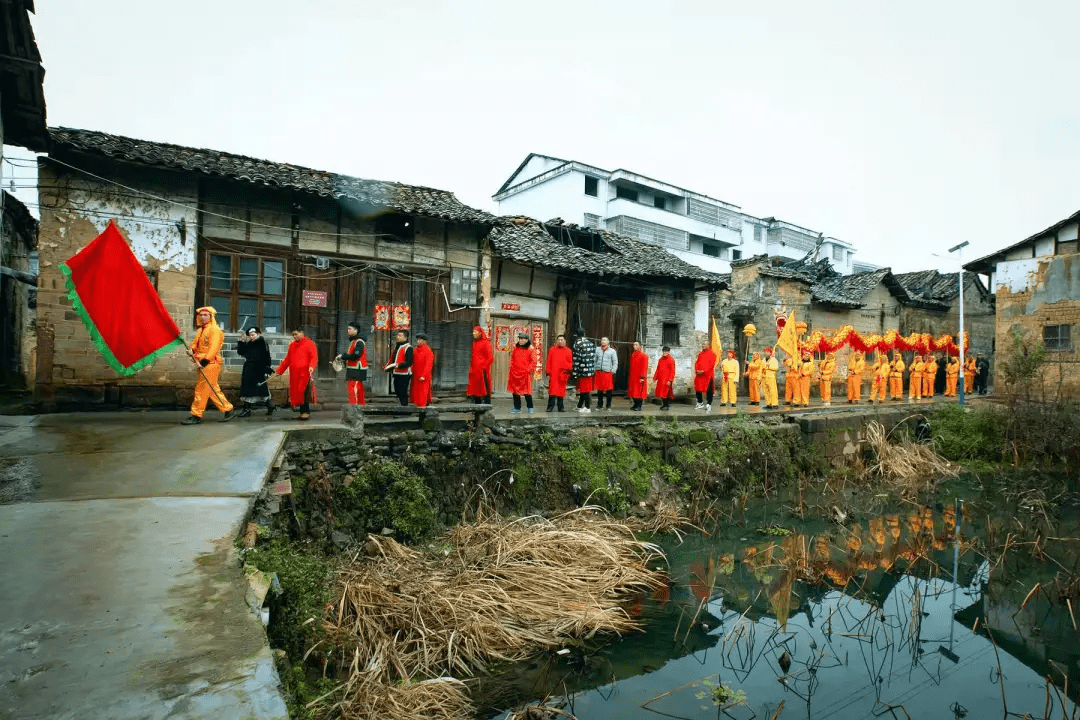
{"x":581,"y":409}
{"x":586,"y":410}
{"x":699,"y":406}
{"x":708,"y":408}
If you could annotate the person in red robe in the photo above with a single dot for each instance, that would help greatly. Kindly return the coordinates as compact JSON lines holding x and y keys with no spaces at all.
{"x":301,"y":361}
{"x":560,"y":361}
{"x":522,"y":366}
{"x":665,"y":378}
{"x":705,"y":376}
{"x":638,"y":381}
{"x":479,"y":388}
{"x":423,"y":361}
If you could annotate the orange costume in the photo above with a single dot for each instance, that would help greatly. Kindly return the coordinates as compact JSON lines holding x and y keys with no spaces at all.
{"x":896,"y":378}
{"x":729,"y":374}
{"x":969,"y":374}
{"x":884,"y":370}
{"x":768,"y":379}
{"x":828,"y":367}
{"x":754,"y":369}
{"x":791,"y":380}
{"x":806,"y":373}
{"x":952,"y":373}
{"x":206,"y":354}
{"x":929,"y":376}
{"x":855,"y":368}
{"x":915,"y":382}
{"x":875,"y":384}
{"x":423,"y":362}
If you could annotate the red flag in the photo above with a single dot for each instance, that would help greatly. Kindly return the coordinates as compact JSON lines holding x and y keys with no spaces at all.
{"x":110,"y":291}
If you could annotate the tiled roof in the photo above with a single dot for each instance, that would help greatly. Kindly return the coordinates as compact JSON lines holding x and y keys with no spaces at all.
{"x":847,"y":290}
{"x":549,"y":244}
{"x":411,"y":199}
{"x":932,"y":285}
{"x":829,"y":286}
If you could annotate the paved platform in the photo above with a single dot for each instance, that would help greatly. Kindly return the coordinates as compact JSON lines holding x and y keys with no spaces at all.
{"x":119,"y":593}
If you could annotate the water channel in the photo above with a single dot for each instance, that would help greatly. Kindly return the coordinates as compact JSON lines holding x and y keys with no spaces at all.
{"x":853,"y":620}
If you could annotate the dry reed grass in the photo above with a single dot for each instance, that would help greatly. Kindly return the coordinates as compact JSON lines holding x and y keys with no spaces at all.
{"x":502,"y":591}
{"x":910,"y":466}
{"x":666,"y":519}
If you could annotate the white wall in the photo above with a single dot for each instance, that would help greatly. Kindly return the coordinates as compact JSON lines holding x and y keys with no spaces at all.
{"x":536,"y":166}
{"x":1014,"y":275}
{"x":562,"y":196}
{"x":705,"y":262}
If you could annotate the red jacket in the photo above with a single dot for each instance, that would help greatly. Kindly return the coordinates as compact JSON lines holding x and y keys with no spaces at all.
{"x":423,"y":360}
{"x":480,"y":366}
{"x":301,"y":361}
{"x":560,"y":361}
{"x":638,"y":380}
{"x":665,"y":373}
{"x":522,"y":366}
{"x":704,"y":369}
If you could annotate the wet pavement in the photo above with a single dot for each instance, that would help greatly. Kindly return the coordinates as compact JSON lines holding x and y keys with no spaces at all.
{"x":121,"y":597}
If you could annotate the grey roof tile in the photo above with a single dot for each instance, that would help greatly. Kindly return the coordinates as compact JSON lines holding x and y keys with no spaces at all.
{"x":411,"y":199}
{"x":551,"y":244}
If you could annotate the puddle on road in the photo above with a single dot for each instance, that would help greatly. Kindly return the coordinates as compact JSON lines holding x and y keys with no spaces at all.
{"x":834,"y":622}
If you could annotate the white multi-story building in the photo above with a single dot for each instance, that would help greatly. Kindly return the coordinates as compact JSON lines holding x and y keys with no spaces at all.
{"x":701,"y":230}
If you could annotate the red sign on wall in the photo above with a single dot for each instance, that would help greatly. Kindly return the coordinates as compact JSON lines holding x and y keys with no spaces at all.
{"x":313,"y":298}
{"x":511,"y":306}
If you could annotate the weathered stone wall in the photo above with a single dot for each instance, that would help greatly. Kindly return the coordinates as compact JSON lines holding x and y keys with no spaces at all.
{"x":1051,"y":296}
{"x":18,"y":298}
{"x":75,"y":208}
{"x":672,"y":306}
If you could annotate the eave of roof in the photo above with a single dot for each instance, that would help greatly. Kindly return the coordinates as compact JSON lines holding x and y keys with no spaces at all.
{"x":531,"y":242}
{"x":986,"y":263}
{"x":410,"y":199}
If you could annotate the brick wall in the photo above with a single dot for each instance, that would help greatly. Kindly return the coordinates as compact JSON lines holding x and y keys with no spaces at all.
{"x":74,"y":210}
{"x":672,"y":306}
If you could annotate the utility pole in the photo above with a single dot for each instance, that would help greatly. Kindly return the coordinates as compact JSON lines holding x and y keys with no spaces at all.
{"x":960,"y":279}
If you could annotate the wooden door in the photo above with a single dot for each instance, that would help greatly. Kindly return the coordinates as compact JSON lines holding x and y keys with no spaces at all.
{"x":320,"y":323}
{"x":617,"y":320}
{"x":500,"y":369}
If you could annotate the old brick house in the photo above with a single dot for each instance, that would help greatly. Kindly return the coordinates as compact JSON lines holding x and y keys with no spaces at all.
{"x":267,"y":244}
{"x":872,"y":302}
{"x":18,"y":293}
{"x":1036,"y":284}
{"x":555,"y":277}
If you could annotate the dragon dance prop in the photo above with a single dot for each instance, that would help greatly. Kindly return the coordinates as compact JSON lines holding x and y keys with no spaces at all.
{"x":921,"y":343}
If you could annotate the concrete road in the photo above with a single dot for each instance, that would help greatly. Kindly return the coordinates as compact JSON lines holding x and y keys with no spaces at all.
{"x":119,"y":597}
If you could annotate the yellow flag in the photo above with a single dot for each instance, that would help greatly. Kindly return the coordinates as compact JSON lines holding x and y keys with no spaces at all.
{"x":714,"y":342}
{"x":788,"y":340}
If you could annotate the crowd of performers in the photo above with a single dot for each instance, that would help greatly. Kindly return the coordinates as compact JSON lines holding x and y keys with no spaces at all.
{"x":587,"y":366}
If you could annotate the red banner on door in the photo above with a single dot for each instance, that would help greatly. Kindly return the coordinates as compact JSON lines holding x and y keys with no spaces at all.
{"x":538,"y":348}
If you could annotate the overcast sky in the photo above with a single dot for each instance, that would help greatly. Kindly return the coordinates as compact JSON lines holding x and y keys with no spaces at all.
{"x":903,"y":127}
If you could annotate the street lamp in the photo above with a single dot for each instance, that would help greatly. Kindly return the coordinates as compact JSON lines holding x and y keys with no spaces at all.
{"x":960,"y":280}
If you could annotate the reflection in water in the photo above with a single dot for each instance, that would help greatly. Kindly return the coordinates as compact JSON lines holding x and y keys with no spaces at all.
{"x":853,"y":622}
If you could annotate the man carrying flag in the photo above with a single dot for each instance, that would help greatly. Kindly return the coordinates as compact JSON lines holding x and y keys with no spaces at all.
{"x":788,"y":341}
{"x":127,"y":322}
{"x":207,"y":360}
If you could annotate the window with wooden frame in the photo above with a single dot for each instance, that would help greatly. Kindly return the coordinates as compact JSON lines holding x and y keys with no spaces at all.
{"x":670,"y":334}
{"x":246,"y":291}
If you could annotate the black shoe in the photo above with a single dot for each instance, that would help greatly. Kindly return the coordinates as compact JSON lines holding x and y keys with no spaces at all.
{"x":244,"y":412}
{"x":664,"y":408}
{"x":269,"y":410}
{"x":227,"y":416}
{"x":192,"y":421}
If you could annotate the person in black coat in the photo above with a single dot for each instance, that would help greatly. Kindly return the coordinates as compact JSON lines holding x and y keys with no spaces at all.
{"x":257,"y":368}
